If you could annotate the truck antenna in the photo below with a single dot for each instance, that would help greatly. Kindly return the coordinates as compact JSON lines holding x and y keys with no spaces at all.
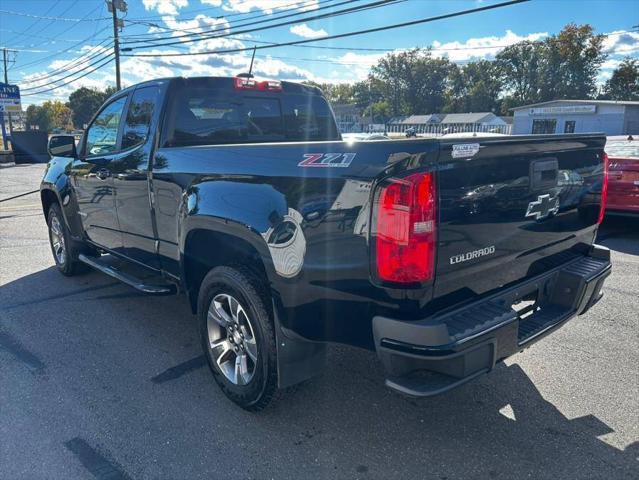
{"x":250,"y":72}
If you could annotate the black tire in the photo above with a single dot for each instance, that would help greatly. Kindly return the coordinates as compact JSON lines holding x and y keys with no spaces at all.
{"x":69,"y":265}
{"x":250,"y":291}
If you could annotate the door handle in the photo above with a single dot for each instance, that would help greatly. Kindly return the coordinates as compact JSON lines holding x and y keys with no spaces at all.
{"x":103,"y":174}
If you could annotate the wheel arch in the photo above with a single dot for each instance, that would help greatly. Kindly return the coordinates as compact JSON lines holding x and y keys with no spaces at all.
{"x":48,"y":197}
{"x":206,"y":246}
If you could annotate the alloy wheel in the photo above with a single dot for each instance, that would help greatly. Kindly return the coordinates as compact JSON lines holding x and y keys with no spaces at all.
{"x":231,"y":339}
{"x":57,"y":240}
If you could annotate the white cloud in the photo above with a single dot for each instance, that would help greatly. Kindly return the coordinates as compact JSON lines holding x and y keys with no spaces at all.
{"x":165,"y":7}
{"x":197,"y":25}
{"x":305,"y":31}
{"x":269,"y":6}
{"x":621,"y":42}
{"x":481,"y":47}
{"x":213,"y":3}
{"x":358,"y":64}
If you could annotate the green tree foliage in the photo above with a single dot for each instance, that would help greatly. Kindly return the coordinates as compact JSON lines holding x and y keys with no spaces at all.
{"x":335,"y":92}
{"x":520,"y":66}
{"x":413,"y":81}
{"x":563,"y":66}
{"x":571,"y":61}
{"x":624,"y":83}
{"x":49,"y":116}
{"x":85,"y":102}
{"x":475,"y":87}
{"x":40,"y":118}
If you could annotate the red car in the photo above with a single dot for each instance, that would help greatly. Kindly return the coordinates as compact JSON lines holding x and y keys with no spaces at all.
{"x":623,"y":176}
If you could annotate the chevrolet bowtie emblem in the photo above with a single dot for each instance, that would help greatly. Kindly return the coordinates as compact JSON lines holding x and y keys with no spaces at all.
{"x":543,"y":207}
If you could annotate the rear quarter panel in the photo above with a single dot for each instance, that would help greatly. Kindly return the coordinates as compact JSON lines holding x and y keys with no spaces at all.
{"x":310,"y":223}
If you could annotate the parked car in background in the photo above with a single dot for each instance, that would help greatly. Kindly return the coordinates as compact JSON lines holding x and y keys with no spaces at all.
{"x":623,"y":173}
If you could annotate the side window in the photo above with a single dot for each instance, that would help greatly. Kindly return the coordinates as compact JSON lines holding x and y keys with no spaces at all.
{"x":139,"y":116}
{"x":102,"y":135}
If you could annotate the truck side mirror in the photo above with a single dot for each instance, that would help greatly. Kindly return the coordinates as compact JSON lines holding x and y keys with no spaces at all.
{"x":62,"y":146}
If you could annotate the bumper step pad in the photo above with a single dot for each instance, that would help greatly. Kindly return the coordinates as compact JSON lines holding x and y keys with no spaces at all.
{"x":542,"y":320}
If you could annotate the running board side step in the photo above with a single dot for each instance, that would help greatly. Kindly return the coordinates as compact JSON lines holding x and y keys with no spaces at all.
{"x":137,"y":283}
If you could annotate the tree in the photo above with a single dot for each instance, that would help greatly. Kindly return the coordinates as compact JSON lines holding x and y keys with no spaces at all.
{"x":379,"y":111}
{"x":61,"y":114}
{"x":562,"y":66}
{"x":40,"y":116}
{"x":341,"y":93}
{"x":519,"y":66}
{"x":624,"y":83}
{"x":476,"y":87}
{"x":85,"y":102}
{"x":413,"y":81}
{"x":571,"y":62}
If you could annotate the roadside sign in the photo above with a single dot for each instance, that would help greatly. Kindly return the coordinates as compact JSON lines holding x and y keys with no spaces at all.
{"x":9,"y":98}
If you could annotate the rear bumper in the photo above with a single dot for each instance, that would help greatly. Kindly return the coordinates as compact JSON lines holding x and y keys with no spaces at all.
{"x":430,"y":356}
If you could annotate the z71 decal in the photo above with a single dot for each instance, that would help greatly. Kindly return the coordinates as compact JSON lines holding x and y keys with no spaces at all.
{"x":327,"y":160}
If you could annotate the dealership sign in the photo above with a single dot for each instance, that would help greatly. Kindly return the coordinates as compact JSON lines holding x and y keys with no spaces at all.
{"x":9,"y":98}
{"x":564,"y":109}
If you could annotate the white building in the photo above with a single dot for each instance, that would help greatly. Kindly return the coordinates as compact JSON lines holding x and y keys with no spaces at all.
{"x":577,"y":116}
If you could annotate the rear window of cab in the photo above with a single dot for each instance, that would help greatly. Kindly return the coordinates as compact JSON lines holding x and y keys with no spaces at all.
{"x":212,"y":114}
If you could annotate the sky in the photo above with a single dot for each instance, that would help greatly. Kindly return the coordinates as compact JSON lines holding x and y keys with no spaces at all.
{"x":57,"y":41}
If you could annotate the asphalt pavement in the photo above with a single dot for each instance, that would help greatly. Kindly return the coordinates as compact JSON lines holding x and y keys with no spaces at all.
{"x":97,"y":381}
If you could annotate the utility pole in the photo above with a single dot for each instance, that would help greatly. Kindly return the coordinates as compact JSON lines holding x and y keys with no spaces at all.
{"x":114,"y":6}
{"x":5,"y":51}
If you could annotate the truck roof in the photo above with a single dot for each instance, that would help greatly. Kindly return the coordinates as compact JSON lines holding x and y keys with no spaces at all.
{"x":290,"y":87}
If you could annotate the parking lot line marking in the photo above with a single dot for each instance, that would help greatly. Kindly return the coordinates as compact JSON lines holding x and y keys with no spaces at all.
{"x":20,"y":207}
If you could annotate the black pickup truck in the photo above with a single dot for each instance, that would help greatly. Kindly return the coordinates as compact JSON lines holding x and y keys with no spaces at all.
{"x":445,"y":256}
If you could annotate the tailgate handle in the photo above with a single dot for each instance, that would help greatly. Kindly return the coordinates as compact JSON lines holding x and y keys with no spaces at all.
{"x":544,"y":174}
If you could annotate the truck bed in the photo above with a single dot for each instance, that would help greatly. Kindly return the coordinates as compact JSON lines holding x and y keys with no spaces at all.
{"x":327,"y":289}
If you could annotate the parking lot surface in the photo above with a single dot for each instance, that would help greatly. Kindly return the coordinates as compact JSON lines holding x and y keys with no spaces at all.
{"x":98,"y":381}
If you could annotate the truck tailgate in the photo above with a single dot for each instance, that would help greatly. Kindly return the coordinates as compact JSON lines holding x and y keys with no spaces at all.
{"x":510,"y":205}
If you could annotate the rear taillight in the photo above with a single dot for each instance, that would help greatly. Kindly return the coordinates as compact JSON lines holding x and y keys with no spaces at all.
{"x":604,"y":190}
{"x":405,"y":229}
{"x":244,"y":83}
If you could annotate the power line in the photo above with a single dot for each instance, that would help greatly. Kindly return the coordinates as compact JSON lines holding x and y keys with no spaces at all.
{"x":203,"y":36}
{"x":305,"y":4}
{"x":71,"y":81}
{"x":100,"y":52}
{"x":53,"y":82}
{"x":341,"y":35}
{"x":26,"y":30}
{"x":44,"y":59}
{"x":199,"y":31}
{"x":60,"y":19}
{"x":70,"y":40}
{"x":335,"y":61}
